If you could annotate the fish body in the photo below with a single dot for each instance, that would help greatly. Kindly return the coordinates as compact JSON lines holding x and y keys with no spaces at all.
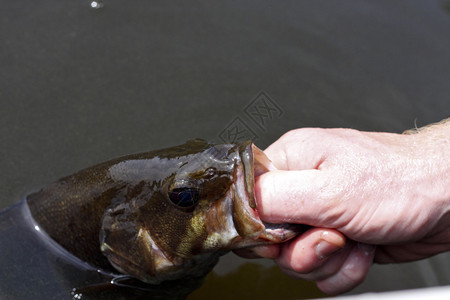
{"x":160,"y":215}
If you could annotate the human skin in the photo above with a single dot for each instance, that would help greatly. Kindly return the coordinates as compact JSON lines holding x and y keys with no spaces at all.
{"x":369,"y":197}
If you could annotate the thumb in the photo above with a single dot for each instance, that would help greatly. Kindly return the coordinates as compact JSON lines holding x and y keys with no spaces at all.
{"x":298,"y":196}
{"x":300,"y":149}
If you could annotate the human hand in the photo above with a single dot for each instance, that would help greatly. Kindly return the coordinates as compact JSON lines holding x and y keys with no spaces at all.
{"x":376,"y":189}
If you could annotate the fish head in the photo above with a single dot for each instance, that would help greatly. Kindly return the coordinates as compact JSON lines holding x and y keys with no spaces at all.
{"x":182,"y":208}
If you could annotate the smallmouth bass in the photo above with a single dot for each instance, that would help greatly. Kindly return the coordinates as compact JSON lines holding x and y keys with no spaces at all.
{"x":162,"y":215}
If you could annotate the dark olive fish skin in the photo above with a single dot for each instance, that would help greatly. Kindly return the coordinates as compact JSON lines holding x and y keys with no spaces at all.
{"x":160,"y":215}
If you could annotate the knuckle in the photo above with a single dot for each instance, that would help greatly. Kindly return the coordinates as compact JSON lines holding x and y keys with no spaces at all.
{"x":302,"y":266}
{"x":353,"y":276}
{"x":301,"y":133}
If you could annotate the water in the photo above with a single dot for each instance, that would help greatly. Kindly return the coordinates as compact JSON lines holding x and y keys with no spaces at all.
{"x":78,"y":87}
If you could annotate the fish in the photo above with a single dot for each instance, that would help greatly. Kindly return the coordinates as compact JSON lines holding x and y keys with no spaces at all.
{"x":163,"y":215}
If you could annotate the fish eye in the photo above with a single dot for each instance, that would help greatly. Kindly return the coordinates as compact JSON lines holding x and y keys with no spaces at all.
{"x":184,"y":197}
{"x":210,"y":172}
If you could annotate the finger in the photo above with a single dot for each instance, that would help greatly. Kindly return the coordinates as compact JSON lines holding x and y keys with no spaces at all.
{"x":304,"y":197}
{"x":330,"y":266}
{"x":311,"y":250}
{"x":352,"y":272}
{"x":263,"y":251}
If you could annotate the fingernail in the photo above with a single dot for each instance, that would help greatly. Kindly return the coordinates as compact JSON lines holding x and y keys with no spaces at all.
{"x":328,"y":245}
{"x":325,"y":249}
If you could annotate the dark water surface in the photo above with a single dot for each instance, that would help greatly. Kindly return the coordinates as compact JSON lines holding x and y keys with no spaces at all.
{"x":80,"y":85}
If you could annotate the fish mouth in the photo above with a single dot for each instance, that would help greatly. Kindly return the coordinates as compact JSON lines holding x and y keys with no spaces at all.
{"x":255,"y":163}
{"x":246,"y":218}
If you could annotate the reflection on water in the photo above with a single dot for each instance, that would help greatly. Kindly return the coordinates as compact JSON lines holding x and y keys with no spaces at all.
{"x":97,"y":4}
{"x":253,"y":281}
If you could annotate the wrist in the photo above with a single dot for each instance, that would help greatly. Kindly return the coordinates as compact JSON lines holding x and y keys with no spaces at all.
{"x":432,"y":148}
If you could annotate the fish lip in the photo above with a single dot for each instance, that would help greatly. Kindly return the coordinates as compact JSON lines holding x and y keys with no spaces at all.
{"x":256,"y":163}
{"x":249,"y":223}
{"x":247,"y":158}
